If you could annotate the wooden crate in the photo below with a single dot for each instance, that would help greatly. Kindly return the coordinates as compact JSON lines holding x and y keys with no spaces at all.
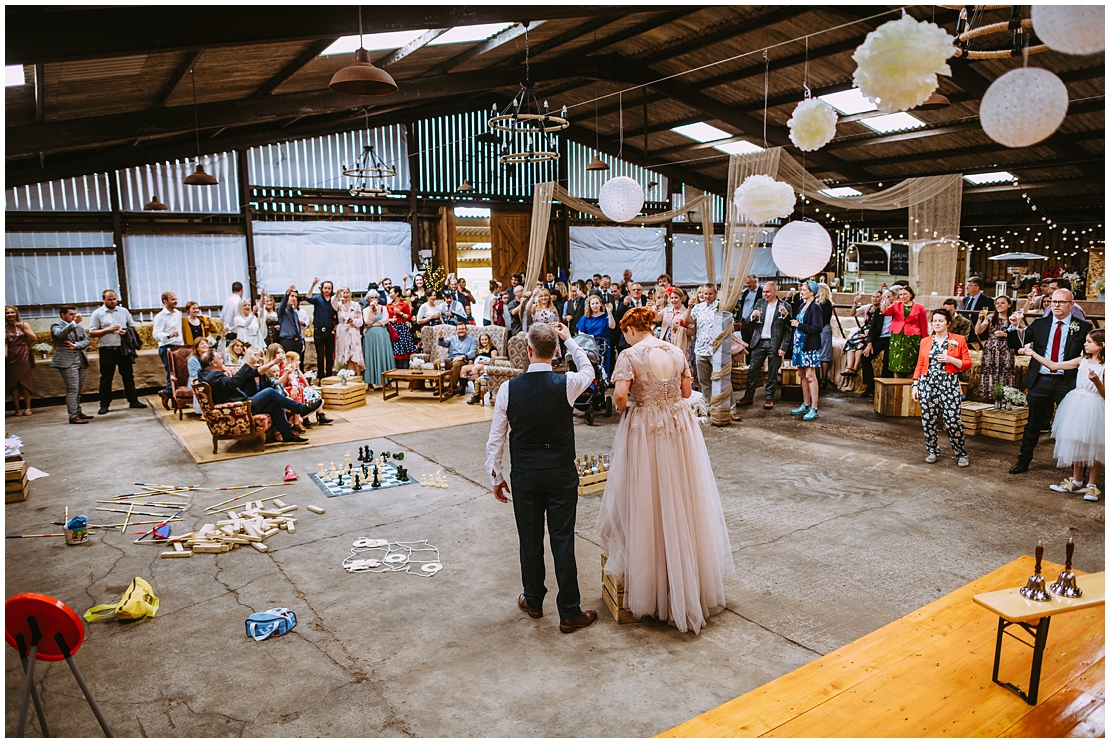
{"x":1008,"y":425}
{"x":970,"y":412}
{"x":788,"y":375}
{"x":344,"y":397}
{"x":791,"y":393}
{"x":612,"y":591}
{"x":740,"y":378}
{"x":894,"y":398}
{"x":588,"y":484}
{"x":15,"y":481}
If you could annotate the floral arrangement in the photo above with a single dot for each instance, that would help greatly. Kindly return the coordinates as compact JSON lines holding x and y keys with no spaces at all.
{"x":345,"y":374}
{"x":310,"y":375}
{"x":760,"y":198}
{"x":1014,"y":396}
{"x":1073,"y":327}
{"x":898,"y":63}
{"x":1030,"y":277}
{"x":42,"y":348}
{"x":416,"y":364}
{"x":1072,"y":276}
{"x":813,"y":125}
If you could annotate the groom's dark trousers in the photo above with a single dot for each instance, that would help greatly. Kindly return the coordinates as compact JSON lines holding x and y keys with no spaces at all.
{"x":544,"y":482}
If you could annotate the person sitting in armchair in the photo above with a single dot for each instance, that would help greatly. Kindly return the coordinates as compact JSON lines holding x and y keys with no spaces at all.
{"x":461,"y":350}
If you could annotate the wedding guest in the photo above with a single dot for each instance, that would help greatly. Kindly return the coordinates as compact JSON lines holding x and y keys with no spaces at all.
{"x":466,"y":299}
{"x":575,"y":306}
{"x":675,"y":320}
{"x":485,"y":354}
{"x":974,"y":301}
{"x":634,"y":298}
{"x":660,"y":521}
{"x":290,"y":330}
{"x":534,"y":412}
{"x":771,"y":339}
{"x":936,"y":385}
{"x":200,"y":345}
{"x":1058,"y":338}
{"x":824,"y":299}
{"x":454,"y":312}
{"x":703,"y":316}
{"x":348,"y":337}
{"x":432,"y":311}
{"x":494,"y":305}
{"x":267,"y":318}
{"x":247,"y":327}
{"x":540,"y":307}
{"x":806,"y":355}
{"x":377,"y":348}
{"x":228,"y":312}
{"x":462,"y":348}
{"x":19,"y":360}
{"x":195,"y":325}
{"x":996,"y":365}
{"x":549,"y":280}
{"x":298,"y":389}
{"x":166,"y":330}
{"x":1076,"y":311}
{"x":111,"y":323}
{"x":514,"y":311}
{"x":400,"y":314}
{"x":603,"y":288}
{"x":324,"y":323}
{"x":1080,"y":423}
{"x":70,"y":342}
{"x":878,"y":341}
{"x":745,"y":305}
{"x":235,"y":352}
{"x":857,"y":341}
{"x":597,"y":322}
{"x":909,"y":326}
{"x":961,"y":326}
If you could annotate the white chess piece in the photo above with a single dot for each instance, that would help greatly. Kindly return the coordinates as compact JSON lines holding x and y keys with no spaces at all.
{"x":320,"y":470}
{"x":424,"y":481}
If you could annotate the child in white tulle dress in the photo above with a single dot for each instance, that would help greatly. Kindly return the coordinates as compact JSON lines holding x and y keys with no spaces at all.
{"x":1079,"y":426}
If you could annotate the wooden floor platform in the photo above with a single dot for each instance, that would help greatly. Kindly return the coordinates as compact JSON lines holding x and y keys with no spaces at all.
{"x":929,"y":674}
{"x":412,"y":411}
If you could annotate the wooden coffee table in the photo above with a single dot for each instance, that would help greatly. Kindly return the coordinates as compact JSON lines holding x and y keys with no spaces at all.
{"x":394,"y":377}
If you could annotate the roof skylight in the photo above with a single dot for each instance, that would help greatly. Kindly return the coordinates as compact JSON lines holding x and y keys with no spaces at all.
{"x":13,"y":75}
{"x":849,"y":102}
{"x":841,"y":191}
{"x":461,"y":34}
{"x":374,"y":42}
{"x":892,"y":123}
{"x":742,"y":147}
{"x":1000,"y":176}
{"x":701,"y":132}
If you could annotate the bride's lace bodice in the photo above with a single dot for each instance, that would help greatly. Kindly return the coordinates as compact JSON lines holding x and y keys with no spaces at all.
{"x":655,"y":369}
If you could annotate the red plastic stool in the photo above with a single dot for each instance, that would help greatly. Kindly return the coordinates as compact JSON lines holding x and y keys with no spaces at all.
{"x":43,"y":627}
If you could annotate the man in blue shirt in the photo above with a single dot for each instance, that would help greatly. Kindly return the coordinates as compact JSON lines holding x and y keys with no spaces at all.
{"x":323,"y":322}
{"x":461,"y":350}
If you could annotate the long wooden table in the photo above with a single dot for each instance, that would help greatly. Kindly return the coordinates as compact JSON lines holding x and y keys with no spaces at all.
{"x":929,"y":674}
{"x":393,"y":378}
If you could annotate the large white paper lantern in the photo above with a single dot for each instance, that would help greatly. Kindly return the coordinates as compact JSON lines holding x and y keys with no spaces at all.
{"x":1023,"y":107}
{"x":801,"y":249}
{"x":1071,"y":29}
{"x":621,"y":198}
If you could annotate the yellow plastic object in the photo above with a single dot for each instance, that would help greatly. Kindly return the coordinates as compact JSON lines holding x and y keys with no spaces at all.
{"x":138,"y":601}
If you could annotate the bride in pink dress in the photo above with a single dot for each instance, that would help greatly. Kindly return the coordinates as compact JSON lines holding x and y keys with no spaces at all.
{"x":661,"y":520}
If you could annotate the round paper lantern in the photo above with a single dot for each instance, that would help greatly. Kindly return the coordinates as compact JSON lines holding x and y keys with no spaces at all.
{"x":621,"y":198}
{"x":801,"y":249}
{"x":1023,"y":107}
{"x":1071,"y":29}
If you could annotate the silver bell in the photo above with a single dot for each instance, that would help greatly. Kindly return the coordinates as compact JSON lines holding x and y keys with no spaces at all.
{"x":1034,"y":588}
{"x":1065,"y":582}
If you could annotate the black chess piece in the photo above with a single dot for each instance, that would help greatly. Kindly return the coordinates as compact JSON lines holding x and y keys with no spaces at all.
{"x":399,"y":456}
{"x":377,"y":483}
{"x":369,"y":454}
{"x":385,"y":454}
{"x":358,"y":483}
{"x":362,"y":454}
{"x":365,"y":472}
{"x":402,"y":474}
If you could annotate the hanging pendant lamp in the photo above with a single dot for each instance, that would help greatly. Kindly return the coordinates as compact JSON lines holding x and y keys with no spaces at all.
{"x":199,"y":177}
{"x":935,"y":102}
{"x":465,"y":187}
{"x":154,"y":205}
{"x":362,"y":77}
{"x":597,"y":164}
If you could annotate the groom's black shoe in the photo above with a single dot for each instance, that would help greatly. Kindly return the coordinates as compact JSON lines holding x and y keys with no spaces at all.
{"x":524,"y":607}
{"x":584,"y":619}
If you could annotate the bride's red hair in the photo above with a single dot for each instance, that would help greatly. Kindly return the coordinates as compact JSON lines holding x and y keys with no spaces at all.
{"x":638,"y":318}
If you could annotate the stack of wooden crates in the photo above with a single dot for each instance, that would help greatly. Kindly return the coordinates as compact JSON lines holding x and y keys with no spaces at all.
{"x":612,"y":591}
{"x":339,"y":396}
{"x":15,"y":481}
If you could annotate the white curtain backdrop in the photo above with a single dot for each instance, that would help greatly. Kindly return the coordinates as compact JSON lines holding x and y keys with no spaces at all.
{"x":197,"y":268}
{"x":345,"y":253}
{"x":47,"y":278}
{"x":688,"y":259}
{"x":610,"y":250}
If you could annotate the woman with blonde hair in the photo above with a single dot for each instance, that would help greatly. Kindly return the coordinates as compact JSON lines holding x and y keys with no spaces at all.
{"x":540,"y":307}
{"x":824,"y":300}
{"x":19,"y":359}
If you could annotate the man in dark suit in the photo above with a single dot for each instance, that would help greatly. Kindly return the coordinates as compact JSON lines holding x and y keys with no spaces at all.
{"x":975,"y":301}
{"x":634,"y":298}
{"x":1058,"y":337}
{"x":268,"y":401}
{"x":575,"y":306}
{"x":535,"y":412}
{"x":771,"y":339}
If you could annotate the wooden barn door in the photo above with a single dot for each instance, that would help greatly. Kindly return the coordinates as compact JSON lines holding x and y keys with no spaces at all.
{"x":509,"y":243}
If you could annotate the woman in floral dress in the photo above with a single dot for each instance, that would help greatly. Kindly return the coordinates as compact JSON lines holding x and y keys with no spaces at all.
{"x":348,"y":338}
{"x":997,"y":363}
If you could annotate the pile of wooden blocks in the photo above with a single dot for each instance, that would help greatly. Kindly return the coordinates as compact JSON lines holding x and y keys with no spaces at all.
{"x":15,"y":481}
{"x":251,"y":526}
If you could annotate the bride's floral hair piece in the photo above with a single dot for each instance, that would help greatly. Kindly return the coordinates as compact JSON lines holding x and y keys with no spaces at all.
{"x":638,"y":318}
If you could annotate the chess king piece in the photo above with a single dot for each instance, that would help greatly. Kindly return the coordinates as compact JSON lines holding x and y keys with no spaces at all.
{"x":1034,"y":588}
{"x":377,"y":483}
{"x":1065,"y":583}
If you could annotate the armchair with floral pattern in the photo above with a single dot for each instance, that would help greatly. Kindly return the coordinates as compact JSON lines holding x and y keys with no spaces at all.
{"x":504,"y":368}
{"x":230,"y":420}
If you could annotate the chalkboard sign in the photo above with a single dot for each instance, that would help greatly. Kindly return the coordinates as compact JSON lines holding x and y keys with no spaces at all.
{"x":899,"y":259}
{"x":872,"y":258}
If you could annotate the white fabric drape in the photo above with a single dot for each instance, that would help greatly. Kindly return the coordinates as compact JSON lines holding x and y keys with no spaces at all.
{"x":610,"y":250}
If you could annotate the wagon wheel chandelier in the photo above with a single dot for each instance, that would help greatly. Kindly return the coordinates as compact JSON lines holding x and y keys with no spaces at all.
{"x":525,"y":115}
{"x":369,"y":171}
{"x":1020,"y":28}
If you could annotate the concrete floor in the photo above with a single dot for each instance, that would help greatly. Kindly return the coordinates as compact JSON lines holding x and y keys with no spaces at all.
{"x":837,"y":526}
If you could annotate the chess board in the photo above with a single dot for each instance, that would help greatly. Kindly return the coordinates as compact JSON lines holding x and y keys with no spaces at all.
{"x":388,"y":477}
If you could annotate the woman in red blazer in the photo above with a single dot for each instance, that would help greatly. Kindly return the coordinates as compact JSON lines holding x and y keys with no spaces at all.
{"x":936,"y":385}
{"x":909,"y":325}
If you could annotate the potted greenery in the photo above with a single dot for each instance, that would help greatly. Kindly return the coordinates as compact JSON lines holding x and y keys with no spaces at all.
{"x":997,"y":393}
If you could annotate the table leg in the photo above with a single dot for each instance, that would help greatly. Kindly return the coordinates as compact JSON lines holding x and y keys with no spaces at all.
{"x":1039,"y":632}
{"x":386,"y":383}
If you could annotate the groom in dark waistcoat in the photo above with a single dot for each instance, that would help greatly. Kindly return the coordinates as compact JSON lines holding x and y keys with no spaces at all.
{"x":535,"y":412}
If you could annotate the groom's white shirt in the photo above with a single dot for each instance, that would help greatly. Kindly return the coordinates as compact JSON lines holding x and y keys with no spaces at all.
{"x":577,"y":382}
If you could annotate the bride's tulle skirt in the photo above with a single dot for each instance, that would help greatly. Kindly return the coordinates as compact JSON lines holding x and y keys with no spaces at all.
{"x":661,"y":520}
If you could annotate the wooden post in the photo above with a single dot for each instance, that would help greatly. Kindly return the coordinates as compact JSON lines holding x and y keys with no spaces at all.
{"x":414,"y":188}
{"x":245,"y":209}
{"x":117,"y":237}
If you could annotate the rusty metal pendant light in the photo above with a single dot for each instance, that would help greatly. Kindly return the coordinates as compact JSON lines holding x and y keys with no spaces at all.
{"x":935,"y":102}
{"x":199,"y":177}
{"x":154,"y":205}
{"x":465,"y":187}
{"x":597,"y":164}
{"x":362,"y":77}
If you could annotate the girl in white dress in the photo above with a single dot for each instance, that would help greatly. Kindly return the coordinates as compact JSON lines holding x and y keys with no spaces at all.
{"x":661,"y":520}
{"x":1079,"y":426}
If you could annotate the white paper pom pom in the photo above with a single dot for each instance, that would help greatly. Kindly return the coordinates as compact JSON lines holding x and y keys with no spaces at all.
{"x":621,"y":198}
{"x":1071,"y":29}
{"x":898,"y":63}
{"x":761,"y":197}
{"x":1023,"y":107}
{"x":813,"y":125}
{"x":801,"y":249}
